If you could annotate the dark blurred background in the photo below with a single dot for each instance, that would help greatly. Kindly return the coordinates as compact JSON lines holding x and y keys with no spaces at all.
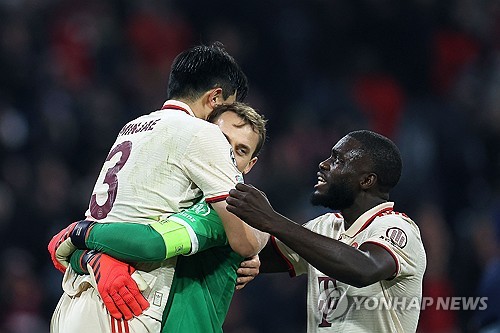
{"x":426,"y":73}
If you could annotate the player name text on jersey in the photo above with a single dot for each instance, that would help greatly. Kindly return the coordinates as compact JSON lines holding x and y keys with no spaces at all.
{"x":132,"y":128}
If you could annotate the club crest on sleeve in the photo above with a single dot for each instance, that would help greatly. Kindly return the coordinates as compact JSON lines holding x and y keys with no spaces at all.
{"x":397,"y":236}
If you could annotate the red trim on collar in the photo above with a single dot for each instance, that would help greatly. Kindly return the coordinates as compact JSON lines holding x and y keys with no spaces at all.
{"x":175,"y":107}
{"x":370,"y":220}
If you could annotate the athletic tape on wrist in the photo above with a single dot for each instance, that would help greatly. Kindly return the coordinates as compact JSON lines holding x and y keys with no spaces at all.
{"x":85,"y":259}
{"x":79,"y":234}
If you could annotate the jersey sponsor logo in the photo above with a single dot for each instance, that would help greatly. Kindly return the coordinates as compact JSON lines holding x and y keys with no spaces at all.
{"x":332,"y":301}
{"x":397,"y":236}
{"x":201,"y":209}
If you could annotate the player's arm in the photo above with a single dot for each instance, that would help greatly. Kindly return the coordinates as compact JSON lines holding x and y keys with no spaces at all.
{"x":243,"y":239}
{"x":275,"y":257}
{"x":211,"y":148}
{"x":129,"y":242}
{"x":135,"y":242}
{"x":270,"y":261}
{"x":195,"y":229}
{"x":357,"y":267}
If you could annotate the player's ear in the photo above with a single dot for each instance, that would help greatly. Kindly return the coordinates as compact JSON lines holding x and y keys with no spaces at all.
{"x":250,"y":165}
{"x":215,"y":97}
{"x":210,"y":100}
{"x":368,"y":180}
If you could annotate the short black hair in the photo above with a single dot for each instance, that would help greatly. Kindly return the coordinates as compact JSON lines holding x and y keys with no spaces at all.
{"x":385,"y":156}
{"x":202,"y":68}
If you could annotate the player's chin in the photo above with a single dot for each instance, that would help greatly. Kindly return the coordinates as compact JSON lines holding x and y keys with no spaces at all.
{"x":317,"y":198}
{"x":320,"y":188}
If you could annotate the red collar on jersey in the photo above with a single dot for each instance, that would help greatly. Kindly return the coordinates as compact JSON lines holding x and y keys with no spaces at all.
{"x":356,"y":228}
{"x":175,"y":107}
{"x":370,"y":220}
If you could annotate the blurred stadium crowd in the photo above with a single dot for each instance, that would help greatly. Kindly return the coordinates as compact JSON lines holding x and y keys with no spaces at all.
{"x":426,"y":73}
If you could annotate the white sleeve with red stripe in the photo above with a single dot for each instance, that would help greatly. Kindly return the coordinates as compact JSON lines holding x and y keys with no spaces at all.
{"x":210,"y":164}
{"x":401,"y":238}
{"x":296,"y":265}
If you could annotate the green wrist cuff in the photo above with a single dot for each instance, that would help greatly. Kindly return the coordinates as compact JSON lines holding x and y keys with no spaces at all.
{"x":76,"y":262}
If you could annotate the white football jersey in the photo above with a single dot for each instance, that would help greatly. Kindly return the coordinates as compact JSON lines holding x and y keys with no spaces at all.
{"x":391,"y":305}
{"x":160,"y":163}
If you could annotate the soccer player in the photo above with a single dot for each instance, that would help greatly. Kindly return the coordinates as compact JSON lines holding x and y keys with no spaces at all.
{"x":161,"y":163}
{"x":204,"y":282}
{"x":365,"y":263}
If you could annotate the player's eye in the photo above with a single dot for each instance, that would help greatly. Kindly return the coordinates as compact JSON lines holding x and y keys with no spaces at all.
{"x":335,"y":158}
{"x":242,"y":151}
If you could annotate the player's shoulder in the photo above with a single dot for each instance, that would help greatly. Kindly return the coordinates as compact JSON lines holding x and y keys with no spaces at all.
{"x":330,"y":220}
{"x":397,"y":223}
{"x":186,"y":123}
{"x":395,"y":217}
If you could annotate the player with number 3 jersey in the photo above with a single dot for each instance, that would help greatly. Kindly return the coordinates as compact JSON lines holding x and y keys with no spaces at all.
{"x":161,"y":163}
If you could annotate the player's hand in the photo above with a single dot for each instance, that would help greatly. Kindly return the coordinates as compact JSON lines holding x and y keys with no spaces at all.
{"x":249,"y":269}
{"x":251,"y":205}
{"x":62,"y":245}
{"x":119,"y":291}
{"x":54,"y":244}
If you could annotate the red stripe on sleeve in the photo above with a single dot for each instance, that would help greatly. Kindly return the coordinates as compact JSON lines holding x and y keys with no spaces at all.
{"x":391,"y":253}
{"x":217,"y":198}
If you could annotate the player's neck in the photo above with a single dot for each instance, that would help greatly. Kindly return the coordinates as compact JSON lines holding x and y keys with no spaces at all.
{"x":359,"y":207}
{"x":198,"y":108}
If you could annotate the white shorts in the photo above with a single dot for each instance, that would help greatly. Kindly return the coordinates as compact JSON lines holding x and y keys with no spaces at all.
{"x":81,"y":310}
{"x":86,"y":313}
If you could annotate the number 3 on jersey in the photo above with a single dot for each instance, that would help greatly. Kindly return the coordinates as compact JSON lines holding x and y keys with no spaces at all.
{"x":100,"y":212}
